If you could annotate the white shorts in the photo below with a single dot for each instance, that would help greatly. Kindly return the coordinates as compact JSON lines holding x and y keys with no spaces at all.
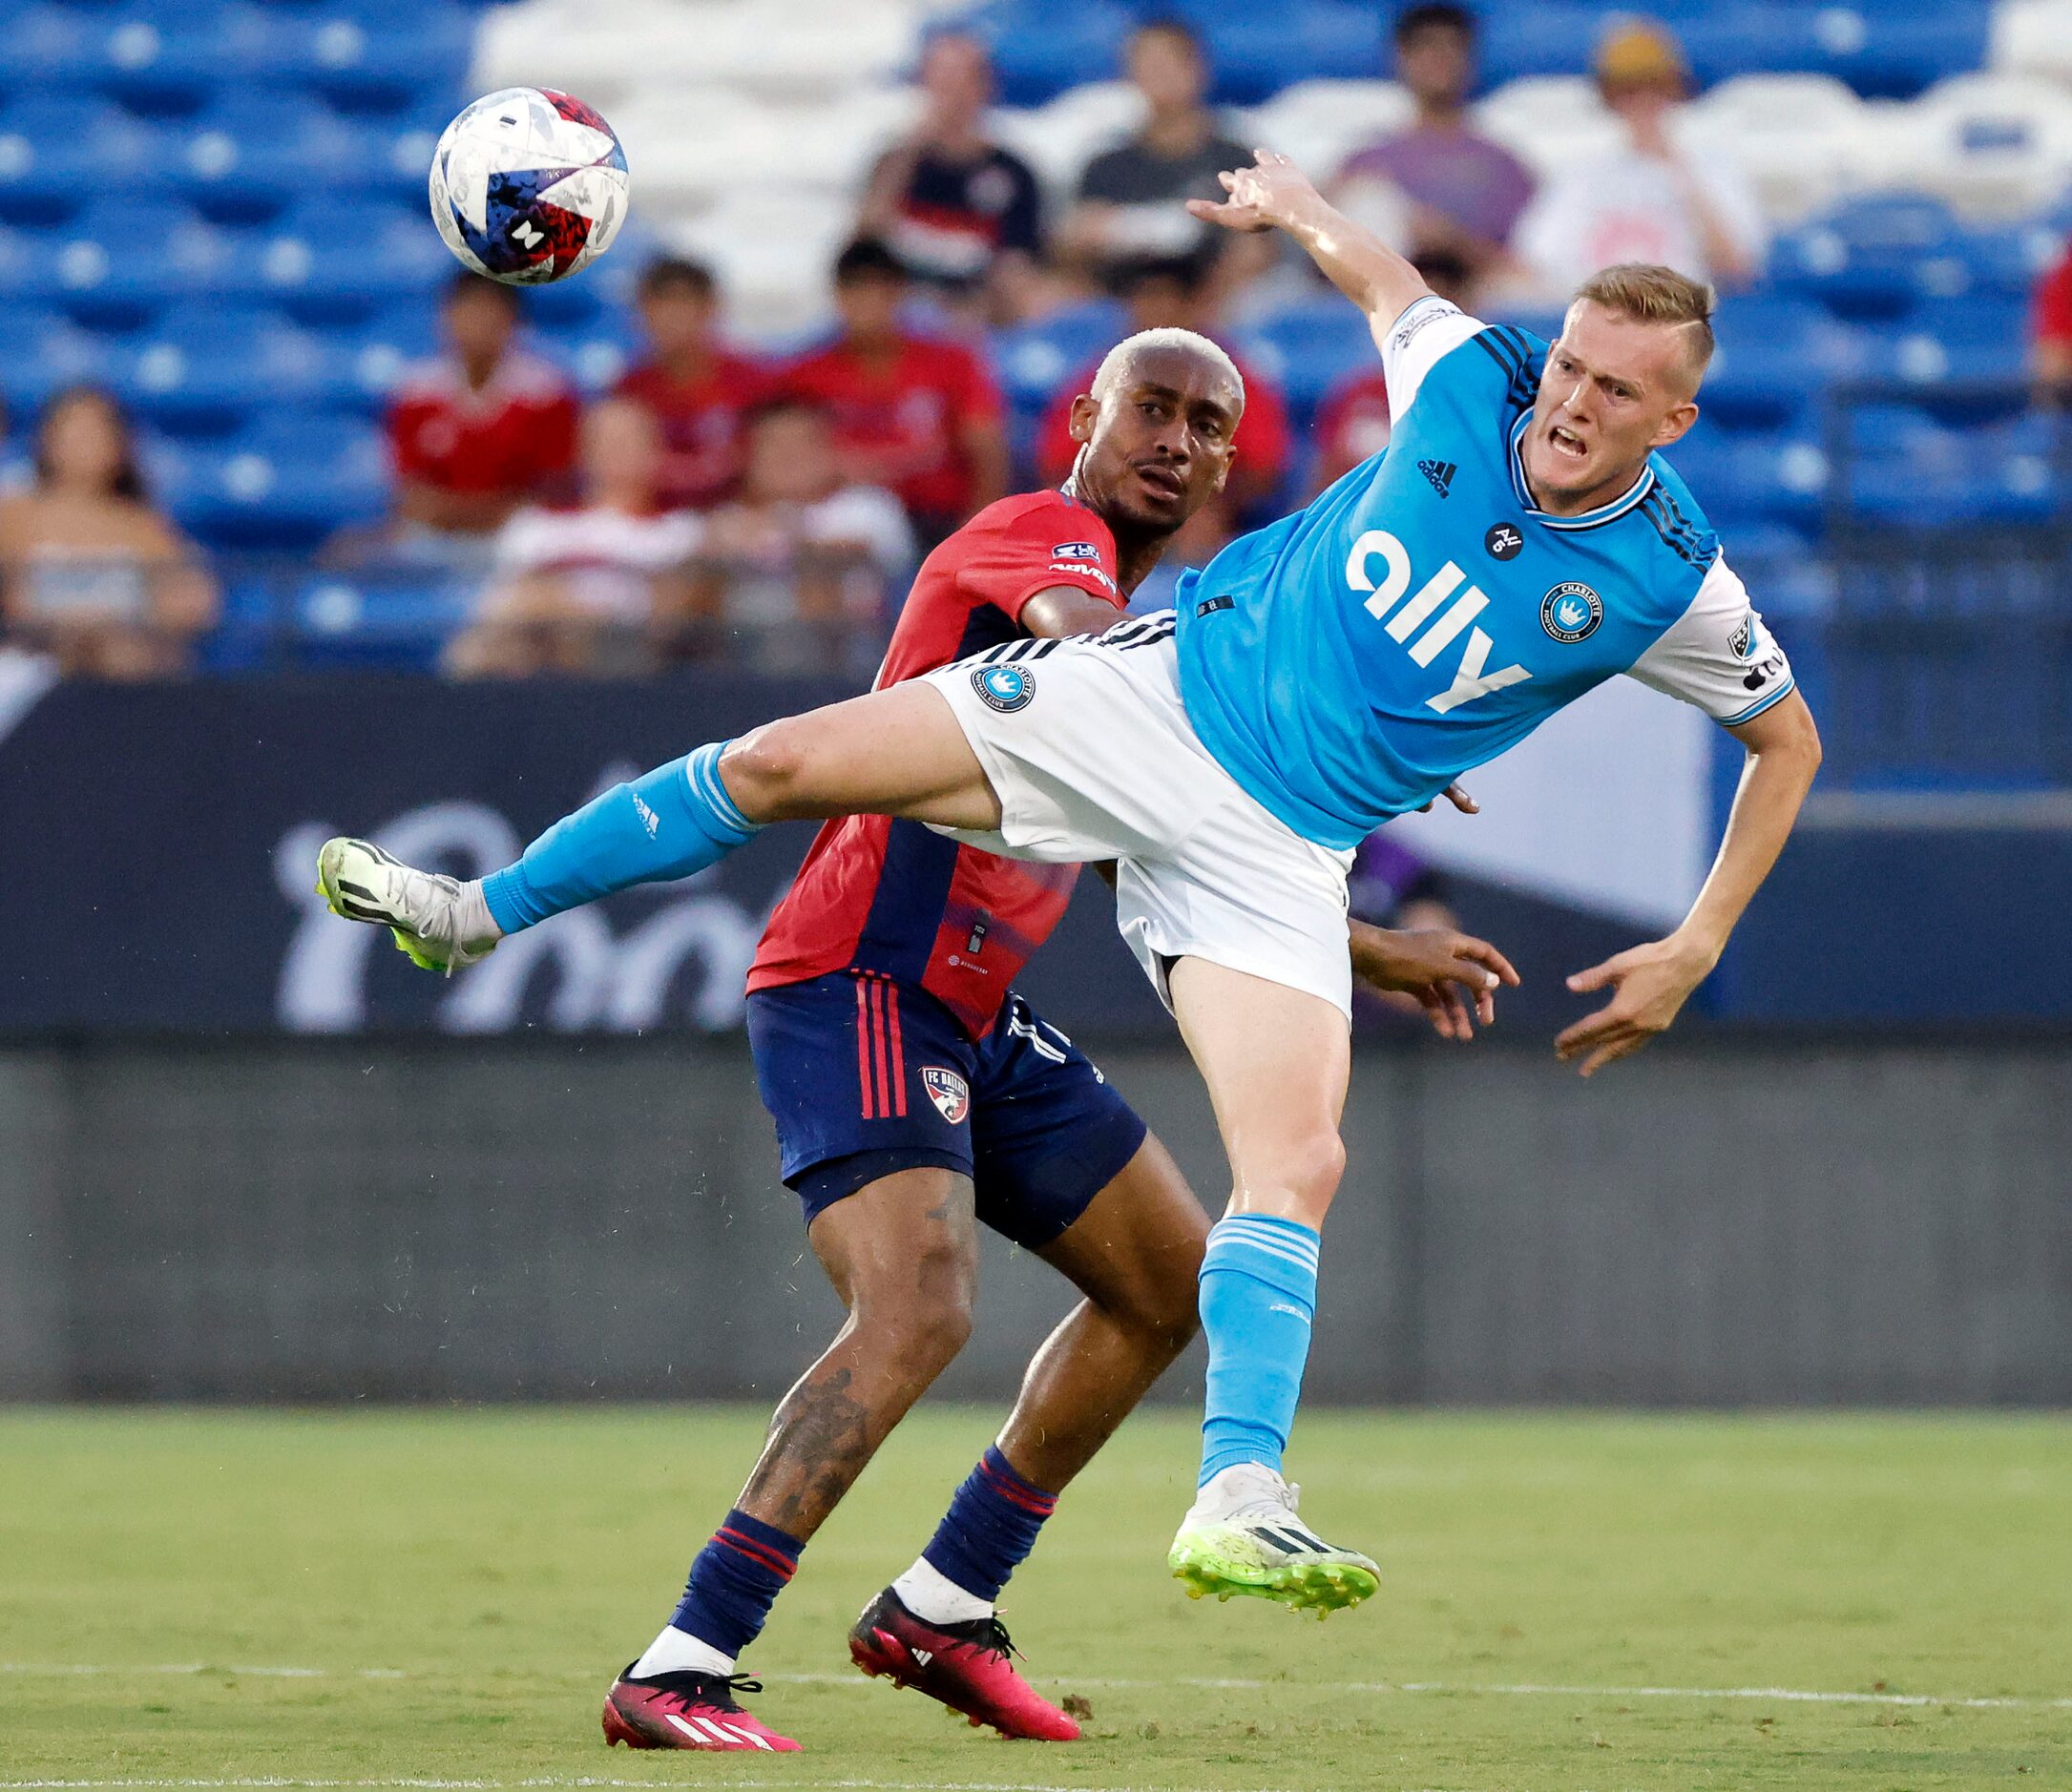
{"x":1090,"y":750}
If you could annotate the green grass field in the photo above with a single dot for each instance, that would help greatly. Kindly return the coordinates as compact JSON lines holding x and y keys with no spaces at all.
{"x":439,"y":1597}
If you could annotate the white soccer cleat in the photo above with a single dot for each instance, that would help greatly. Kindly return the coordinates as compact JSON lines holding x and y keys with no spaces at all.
{"x":424,"y":909}
{"x":1242,"y":1536}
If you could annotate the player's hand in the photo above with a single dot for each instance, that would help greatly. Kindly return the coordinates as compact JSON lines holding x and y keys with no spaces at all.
{"x":1458,"y":798}
{"x":1649,"y":986}
{"x":1452,"y":975}
{"x":1261,"y":196}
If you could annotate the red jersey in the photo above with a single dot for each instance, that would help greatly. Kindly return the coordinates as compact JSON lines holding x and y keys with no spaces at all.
{"x":515,"y":436}
{"x":1265,"y":440}
{"x":702,"y":423}
{"x":1351,"y":425}
{"x":2053,"y":304}
{"x":876,"y":894}
{"x":901,"y":424}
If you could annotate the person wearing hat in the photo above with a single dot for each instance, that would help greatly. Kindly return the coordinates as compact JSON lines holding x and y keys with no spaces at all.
{"x":1644,"y":197}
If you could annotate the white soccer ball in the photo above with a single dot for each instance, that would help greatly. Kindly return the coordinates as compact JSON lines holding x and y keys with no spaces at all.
{"x":529,"y":186}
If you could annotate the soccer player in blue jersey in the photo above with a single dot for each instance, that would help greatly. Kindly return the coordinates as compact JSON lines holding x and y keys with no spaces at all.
{"x":1520,"y":543}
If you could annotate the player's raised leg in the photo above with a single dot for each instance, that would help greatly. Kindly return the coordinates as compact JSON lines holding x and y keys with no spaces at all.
{"x":896,"y":752}
{"x":1134,"y":1252}
{"x":1276,"y":1061}
{"x":902,"y":1252}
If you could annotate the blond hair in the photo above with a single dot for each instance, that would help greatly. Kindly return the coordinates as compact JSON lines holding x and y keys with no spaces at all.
{"x":1649,"y":294}
{"x":1116,"y":360}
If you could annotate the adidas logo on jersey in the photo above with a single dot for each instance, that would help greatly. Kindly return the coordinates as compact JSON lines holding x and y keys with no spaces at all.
{"x":1440,"y":473}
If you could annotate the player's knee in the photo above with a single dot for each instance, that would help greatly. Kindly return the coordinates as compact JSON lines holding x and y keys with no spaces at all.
{"x":1310,"y":1173}
{"x":923,"y":1321}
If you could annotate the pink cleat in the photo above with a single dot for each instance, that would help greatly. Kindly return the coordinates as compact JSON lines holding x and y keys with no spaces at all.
{"x":968,"y":1667}
{"x":688,"y":1711}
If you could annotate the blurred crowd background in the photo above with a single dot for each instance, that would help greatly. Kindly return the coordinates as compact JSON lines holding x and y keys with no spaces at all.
{"x":256,"y":420}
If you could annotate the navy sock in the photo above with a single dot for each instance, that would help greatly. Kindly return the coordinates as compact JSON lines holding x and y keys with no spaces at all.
{"x":677,"y":820}
{"x":990,"y":1527}
{"x":734,"y":1582}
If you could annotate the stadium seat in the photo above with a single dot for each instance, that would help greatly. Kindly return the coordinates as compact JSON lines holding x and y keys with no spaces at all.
{"x":1307,"y":350}
{"x":1779,"y":477}
{"x":1864,"y":258}
{"x":1255,"y":54}
{"x":1777,"y":351}
{"x":329,"y":260}
{"x":207,"y":371}
{"x":1060,"y":138}
{"x":1992,"y":144}
{"x":1031,"y":360}
{"x":283,"y":486}
{"x":1319,"y":124}
{"x":1797,"y":136}
{"x":1040,"y":51}
{"x":59,"y":151}
{"x":2033,"y":37}
{"x":45,"y":351}
{"x":389,"y":616}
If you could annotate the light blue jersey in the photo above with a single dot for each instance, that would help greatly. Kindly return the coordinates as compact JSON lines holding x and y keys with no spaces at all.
{"x":1422,"y":614}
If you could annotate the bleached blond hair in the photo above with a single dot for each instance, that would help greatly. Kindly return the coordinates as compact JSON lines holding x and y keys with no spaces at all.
{"x":1117,"y":359}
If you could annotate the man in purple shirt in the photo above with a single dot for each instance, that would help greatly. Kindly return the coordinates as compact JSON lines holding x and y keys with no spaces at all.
{"x":1438,"y":185}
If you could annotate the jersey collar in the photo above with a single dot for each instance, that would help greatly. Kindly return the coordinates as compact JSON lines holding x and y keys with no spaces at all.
{"x":1589,"y":519}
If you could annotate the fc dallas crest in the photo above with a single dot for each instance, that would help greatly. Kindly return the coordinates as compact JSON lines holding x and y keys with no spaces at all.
{"x":946,"y":1089}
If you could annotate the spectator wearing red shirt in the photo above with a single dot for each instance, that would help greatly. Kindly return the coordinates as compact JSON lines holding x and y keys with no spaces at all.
{"x":2052,"y":355}
{"x":479,"y":432}
{"x":918,"y":416}
{"x":699,"y":391}
{"x":1173,"y":295}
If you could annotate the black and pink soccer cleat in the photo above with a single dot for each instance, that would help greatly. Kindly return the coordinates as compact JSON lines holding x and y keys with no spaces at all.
{"x":968,"y":1667}
{"x":688,"y":1711}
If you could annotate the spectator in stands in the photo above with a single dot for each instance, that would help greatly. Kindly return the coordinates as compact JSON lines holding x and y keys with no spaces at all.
{"x":1392,"y":886}
{"x":1648,"y":200}
{"x":1175,"y":295}
{"x":699,"y":391}
{"x":90,"y":572}
{"x":15,"y":474}
{"x":1437,"y":186}
{"x":2051,"y":355}
{"x":610,"y":571}
{"x":1128,"y":207}
{"x":962,"y":214}
{"x":800,"y":543}
{"x":1353,"y":422}
{"x":917,"y":415}
{"x":476,"y":434}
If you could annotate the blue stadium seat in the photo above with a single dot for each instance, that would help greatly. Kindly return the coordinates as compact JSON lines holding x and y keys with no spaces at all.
{"x":59,"y":151}
{"x":207,"y":372}
{"x":46,"y":47}
{"x":328,"y":261}
{"x":1039,"y":50}
{"x":42,"y":351}
{"x":1031,"y":360}
{"x":390,"y":617}
{"x":122,"y":262}
{"x":283,"y":486}
{"x":1775,"y":477}
{"x":1256,"y":54}
{"x":1777,"y":351}
{"x":1308,"y":349}
{"x":1968,"y":357}
{"x":1544,"y":39}
{"x":1865,"y":258}
{"x":251,"y":152}
{"x":383,"y":63}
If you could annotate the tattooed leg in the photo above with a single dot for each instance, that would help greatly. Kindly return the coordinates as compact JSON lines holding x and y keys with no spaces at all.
{"x":903,"y":1253}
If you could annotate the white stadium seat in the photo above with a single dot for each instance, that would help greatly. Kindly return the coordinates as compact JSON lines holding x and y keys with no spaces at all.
{"x":1799,"y":137}
{"x":1320,"y":123}
{"x":2033,"y":37}
{"x":1996,"y":145}
{"x":1059,"y":140}
{"x":1547,"y":120}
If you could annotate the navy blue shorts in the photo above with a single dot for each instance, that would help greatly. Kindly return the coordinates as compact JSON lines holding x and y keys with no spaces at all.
{"x":867,"y":1075}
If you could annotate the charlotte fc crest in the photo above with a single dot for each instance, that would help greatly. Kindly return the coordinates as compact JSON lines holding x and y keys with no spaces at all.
{"x":948,"y":1091}
{"x":1571,"y":611}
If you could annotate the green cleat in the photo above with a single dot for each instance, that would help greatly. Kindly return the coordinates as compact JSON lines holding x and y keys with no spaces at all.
{"x":1242,"y":1536}
{"x":423,"y":910}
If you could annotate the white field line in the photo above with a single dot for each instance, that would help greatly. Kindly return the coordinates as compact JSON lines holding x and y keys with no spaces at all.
{"x":1779,"y":1694}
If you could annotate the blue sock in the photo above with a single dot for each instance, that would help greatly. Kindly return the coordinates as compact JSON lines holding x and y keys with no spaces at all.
{"x":734,"y":1581}
{"x":677,"y":820}
{"x":990,"y":1527}
{"x":1258,"y":1298}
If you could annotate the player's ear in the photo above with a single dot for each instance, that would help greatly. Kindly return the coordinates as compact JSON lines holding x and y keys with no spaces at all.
{"x":1086,"y":411}
{"x":1676,"y":425}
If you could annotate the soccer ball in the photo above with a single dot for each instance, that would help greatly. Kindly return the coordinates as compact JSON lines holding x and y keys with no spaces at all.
{"x":528,"y":186}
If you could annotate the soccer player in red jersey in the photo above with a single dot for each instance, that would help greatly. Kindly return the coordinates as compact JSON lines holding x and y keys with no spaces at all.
{"x":917,"y":1096}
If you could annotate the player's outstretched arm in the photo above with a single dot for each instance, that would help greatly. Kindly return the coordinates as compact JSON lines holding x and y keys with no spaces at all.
{"x":1650,"y":983}
{"x":1454,"y":975}
{"x":1274,"y":193}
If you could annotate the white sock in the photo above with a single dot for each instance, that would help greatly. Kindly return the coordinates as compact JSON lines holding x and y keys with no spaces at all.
{"x":934,"y":1598}
{"x":678,"y":1652}
{"x":476,"y":923}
